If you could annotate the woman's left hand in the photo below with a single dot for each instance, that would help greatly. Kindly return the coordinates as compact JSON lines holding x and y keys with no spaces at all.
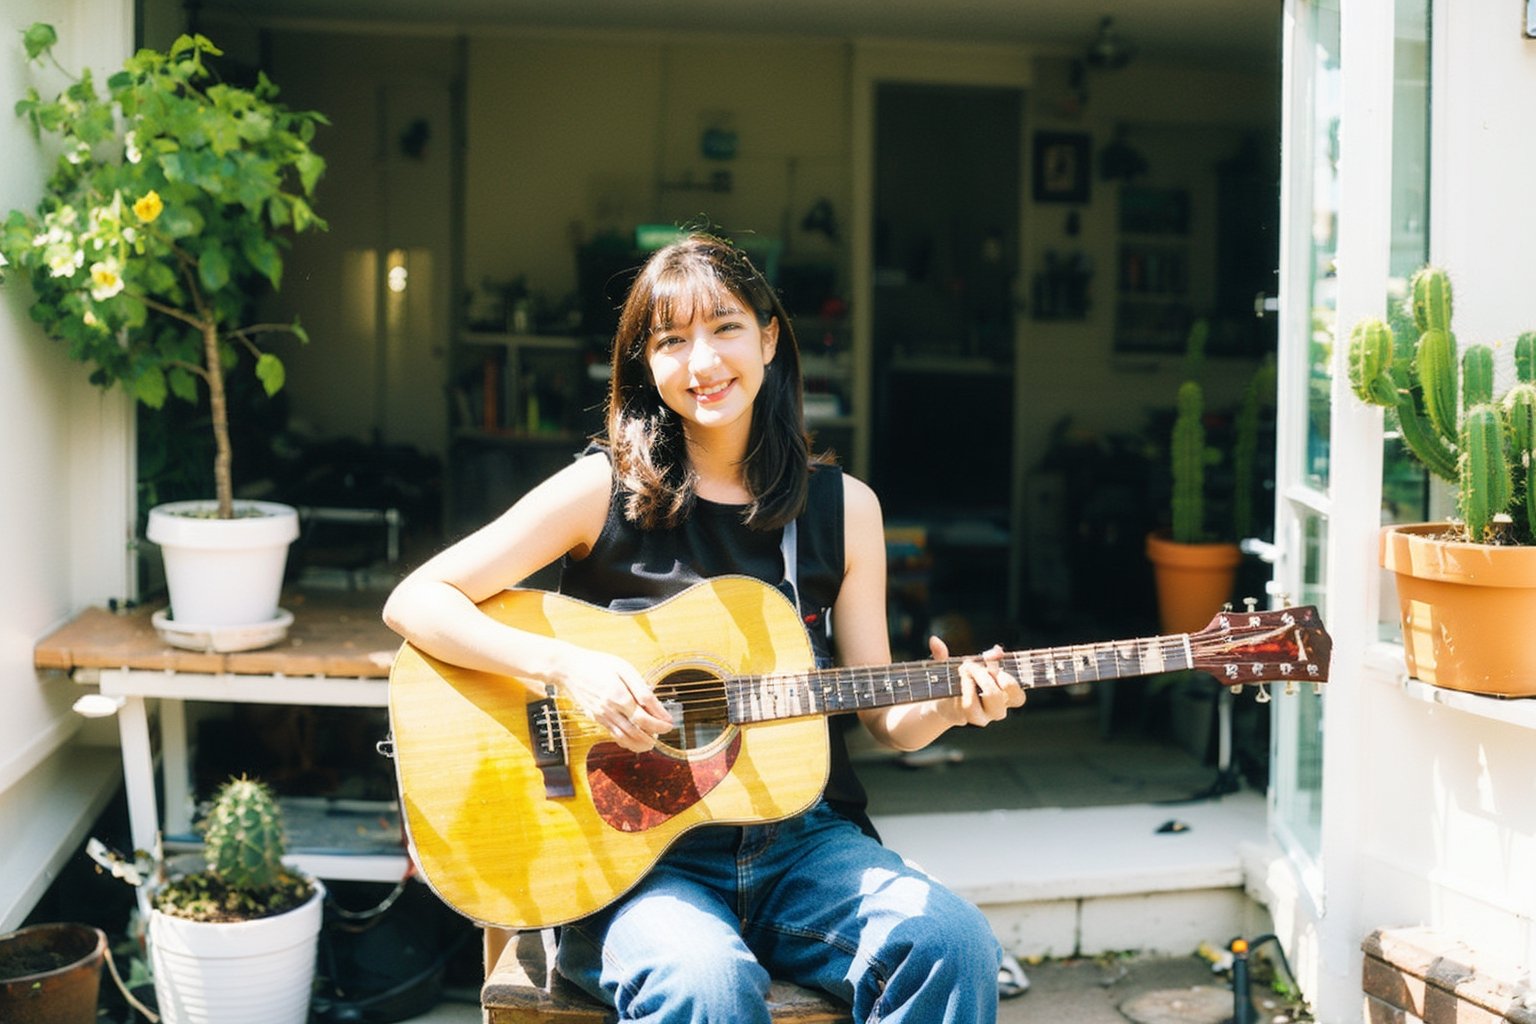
{"x":988,"y":692}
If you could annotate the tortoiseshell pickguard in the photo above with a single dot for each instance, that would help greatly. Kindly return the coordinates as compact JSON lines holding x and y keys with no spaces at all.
{"x":634,"y":792}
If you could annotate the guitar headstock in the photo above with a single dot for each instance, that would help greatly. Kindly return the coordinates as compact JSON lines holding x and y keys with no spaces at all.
{"x":1242,"y":647}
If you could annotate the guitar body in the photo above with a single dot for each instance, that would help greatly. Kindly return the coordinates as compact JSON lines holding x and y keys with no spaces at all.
{"x":513,"y":834}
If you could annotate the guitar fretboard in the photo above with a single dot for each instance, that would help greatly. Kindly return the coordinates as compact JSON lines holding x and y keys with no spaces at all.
{"x":763,"y":698}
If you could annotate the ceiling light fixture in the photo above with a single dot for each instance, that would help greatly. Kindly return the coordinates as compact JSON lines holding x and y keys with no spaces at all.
{"x":1108,"y":51}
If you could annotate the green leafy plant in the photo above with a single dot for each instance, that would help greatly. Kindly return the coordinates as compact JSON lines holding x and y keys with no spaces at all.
{"x":170,"y":204}
{"x":1448,"y":414}
{"x":243,"y":846}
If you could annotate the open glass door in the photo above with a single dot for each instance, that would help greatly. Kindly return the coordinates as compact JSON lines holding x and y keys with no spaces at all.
{"x":1353,"y":197}
{"x":1309,"y":214}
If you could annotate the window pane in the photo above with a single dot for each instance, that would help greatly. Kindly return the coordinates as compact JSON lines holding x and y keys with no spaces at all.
{"x":1323,"y":132}
{"x":1298,"y":717}
{"x":1404,"y":483}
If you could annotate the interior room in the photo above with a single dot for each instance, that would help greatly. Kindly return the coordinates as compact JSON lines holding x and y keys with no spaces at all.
{"x":993,"y":229}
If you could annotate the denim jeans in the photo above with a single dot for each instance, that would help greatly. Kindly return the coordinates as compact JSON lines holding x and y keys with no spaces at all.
{"x":811,"y":899}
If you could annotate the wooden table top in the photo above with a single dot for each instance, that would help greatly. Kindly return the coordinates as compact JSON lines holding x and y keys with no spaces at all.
{"x":334,"y":633}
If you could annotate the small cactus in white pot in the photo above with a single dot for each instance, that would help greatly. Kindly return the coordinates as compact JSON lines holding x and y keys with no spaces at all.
{"x":235,"y":943}
{"x":243,"y":849}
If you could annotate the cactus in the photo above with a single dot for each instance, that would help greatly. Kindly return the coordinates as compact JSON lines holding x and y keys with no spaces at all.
{"x":1476,"y":376}
{"x":1245,"y":445}
{"x":1370,"y":357}
{"x":243,"y":849}
{"x":1520,"y":415}
{"x":1430,"y":294}
{"x":1485,"y":486}
{"x":1525,"y":357}
{"x":1483,"y":444}
{"x":243,"y":835}
{"x":1188,"y":454}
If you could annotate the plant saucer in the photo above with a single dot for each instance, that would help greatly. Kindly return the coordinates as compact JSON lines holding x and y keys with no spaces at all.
{"x":221,"y":639}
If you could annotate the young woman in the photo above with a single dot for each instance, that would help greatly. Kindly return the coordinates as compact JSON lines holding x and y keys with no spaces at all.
{"x":705,"y":469}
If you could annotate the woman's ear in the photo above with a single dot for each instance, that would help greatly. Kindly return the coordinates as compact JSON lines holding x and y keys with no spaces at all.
{"x":770,"y":340}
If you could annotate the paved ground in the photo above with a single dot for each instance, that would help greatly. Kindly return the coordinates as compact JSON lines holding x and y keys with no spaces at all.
{"x":1091,"y":991}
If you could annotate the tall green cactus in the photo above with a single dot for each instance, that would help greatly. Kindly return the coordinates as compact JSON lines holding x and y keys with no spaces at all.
{"x":1188,"y":464}
{"x":1189,"y":453}
{"x":1483,"y":444}
{"x":243,"y":835}
{"x":1520,"y":414}
{"x":1245,"y":445}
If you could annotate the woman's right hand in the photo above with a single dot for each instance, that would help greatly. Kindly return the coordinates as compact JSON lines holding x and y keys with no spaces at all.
{"x":615,"y":696}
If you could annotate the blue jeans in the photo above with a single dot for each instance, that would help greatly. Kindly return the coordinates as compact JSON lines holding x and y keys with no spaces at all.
{"x":811,"y":899}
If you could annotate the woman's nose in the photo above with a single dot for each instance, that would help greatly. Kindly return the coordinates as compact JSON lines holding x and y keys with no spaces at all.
{"x":703,"y":354}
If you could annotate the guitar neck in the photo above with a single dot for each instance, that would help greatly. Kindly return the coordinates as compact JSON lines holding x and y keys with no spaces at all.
{"x":762,"y":698}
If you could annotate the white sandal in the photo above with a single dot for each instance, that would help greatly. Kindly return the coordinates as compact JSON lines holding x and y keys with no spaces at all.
{"x":1011,"y":979}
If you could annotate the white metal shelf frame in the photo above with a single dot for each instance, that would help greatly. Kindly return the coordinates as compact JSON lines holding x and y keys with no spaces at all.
{"x":135,"y":687}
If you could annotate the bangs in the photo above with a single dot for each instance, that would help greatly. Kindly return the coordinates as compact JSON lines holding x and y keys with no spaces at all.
{"x":687,"y":292}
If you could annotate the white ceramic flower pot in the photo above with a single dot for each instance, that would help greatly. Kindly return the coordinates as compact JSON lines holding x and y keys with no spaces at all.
{"x":243,"y":972}
{"x":223,"y":572}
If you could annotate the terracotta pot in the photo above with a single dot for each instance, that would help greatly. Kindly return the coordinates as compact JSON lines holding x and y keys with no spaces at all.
{"x":1465,"y":609}
{"x":1194,"y":581}
{"x":51,"y":974}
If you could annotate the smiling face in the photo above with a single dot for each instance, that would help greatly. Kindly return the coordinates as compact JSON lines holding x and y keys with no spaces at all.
{"x":708,"y":358}
{"x":705,"y":389}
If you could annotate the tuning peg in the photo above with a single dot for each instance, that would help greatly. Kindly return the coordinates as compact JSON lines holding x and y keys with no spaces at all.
{"x":1236,"y":690}
{"x":1317,"y":689}
{"x":1226,"y":606}
{"x":1290,"y":687}
{"x":1262,"y":697}
{"x":1252,"y":603}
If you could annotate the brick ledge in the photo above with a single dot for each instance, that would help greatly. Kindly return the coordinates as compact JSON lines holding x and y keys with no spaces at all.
{"x":1418,"y":974}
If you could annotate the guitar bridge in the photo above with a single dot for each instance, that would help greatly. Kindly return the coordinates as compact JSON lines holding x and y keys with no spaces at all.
{"x":549,"y":753}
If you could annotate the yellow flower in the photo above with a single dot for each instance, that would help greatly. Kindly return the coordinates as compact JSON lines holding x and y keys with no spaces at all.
{"x":149,"y":207}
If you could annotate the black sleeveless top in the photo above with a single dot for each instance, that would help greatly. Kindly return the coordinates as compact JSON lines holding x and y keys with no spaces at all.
{"x":630,"y":568}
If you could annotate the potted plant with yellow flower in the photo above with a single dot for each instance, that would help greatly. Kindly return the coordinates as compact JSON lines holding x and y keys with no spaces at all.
{"x":169,"y":206}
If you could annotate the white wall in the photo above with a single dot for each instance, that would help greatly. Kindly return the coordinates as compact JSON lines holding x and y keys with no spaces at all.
{"x":66,"y":475}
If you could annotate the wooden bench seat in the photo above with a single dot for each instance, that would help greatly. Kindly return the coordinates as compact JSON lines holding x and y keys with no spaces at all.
{"x":521,"y":987}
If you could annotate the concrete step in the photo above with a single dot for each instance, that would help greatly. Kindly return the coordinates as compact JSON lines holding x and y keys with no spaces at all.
{"x":1081,"y":881}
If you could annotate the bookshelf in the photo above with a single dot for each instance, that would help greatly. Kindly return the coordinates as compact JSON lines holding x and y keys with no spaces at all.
{"x":522,"y":406}
{"x":1153,"y":306}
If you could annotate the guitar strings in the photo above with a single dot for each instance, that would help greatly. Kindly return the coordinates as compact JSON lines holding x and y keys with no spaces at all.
{"x":719,"y":691}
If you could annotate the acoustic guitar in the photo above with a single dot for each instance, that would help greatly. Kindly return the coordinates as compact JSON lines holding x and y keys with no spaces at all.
{"x":523,"y":813}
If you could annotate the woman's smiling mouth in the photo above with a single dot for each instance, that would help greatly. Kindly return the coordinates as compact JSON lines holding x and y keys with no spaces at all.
{"x":708,"y":394}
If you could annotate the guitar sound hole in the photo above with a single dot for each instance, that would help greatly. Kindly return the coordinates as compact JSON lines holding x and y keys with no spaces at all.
{"x":696,"y":699}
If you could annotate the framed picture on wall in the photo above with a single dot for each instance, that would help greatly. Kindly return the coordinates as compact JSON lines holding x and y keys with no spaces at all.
{"x":1061,"y":167}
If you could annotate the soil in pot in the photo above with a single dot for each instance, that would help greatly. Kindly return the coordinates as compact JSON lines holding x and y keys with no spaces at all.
{"x":51,"y":974}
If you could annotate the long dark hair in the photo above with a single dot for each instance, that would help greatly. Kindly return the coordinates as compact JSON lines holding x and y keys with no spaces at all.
{"x":645,"y":438}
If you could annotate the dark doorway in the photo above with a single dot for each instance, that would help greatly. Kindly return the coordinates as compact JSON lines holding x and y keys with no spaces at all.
{"x":947,"y":181}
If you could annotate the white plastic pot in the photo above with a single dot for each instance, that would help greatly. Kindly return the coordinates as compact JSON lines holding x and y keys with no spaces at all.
{"x":241,"y":972}
{"x":223,"y":572}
